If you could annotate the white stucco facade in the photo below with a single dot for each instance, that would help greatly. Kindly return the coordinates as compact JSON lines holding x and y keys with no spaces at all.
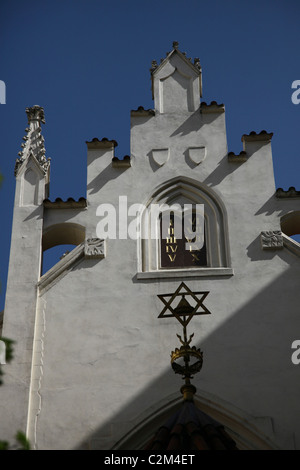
{"x":92,"y":360}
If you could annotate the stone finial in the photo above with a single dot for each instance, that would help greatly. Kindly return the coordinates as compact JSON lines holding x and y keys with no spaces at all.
{"x":175,"y":45}
{"x":197,"y":63}
{"x":33,"y":141}
{"x":154,"y":66}
{"x":35,"y":113}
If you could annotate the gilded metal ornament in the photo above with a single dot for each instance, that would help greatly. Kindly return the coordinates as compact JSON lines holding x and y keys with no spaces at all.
{"x":186,"y":360}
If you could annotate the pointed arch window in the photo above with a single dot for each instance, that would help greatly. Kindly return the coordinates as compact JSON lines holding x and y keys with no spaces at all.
{"x":166,"y":255}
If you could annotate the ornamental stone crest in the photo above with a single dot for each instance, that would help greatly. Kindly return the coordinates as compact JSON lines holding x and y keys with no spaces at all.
{"x":160,"y":156}
{"x":33,"y":144}
{"x":94,"y":248}
{"x":197,"y":154}
{"x":271,"y":240}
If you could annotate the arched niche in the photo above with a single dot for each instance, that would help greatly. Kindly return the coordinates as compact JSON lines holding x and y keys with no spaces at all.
{"x":30,"y":188}
{"x":63,"y":234}
{"x":237,"y":423}
{"x":185,"y":191}
{"x":176,"y":93}
{"x":290,"y":223}
{"x":59,"y":240}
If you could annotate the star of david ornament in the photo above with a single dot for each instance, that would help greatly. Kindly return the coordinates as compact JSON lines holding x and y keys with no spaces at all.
{"x":190,"y":304}
{"x":184,"y":311}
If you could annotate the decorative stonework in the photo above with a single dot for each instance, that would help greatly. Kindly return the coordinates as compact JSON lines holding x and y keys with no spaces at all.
{"x":271,"y":240}
{"x":94,"y":248}
{"x":177,"y":55}
{"x":34,"y":141}
{"x":197,"y":154}
{"x":196,"y":64}
{"x":160,"y":156}
{"x":35,"y":113}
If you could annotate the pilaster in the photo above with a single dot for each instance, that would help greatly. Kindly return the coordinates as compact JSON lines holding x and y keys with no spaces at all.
{"x":32,"y":178}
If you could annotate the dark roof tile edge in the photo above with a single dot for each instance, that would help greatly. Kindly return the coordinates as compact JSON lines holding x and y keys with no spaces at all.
{"x":70,"y":203}
{"x":240,"y":158}
{"x":103,"y":143}
{"x":213,"y":107}
{"x":253,"y":136}
{"x":290,"y":193}
{"x":121,"y":163}
{"x":140,"y":111}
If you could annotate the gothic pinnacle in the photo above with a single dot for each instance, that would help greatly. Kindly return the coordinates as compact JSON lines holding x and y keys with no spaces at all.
{"x":33,"y":144}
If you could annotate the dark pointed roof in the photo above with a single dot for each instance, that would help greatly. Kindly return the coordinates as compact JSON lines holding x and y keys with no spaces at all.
{"x":191,"y":429}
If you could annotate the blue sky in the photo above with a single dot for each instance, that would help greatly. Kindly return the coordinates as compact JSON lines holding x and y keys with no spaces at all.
{"x":87,"y":63}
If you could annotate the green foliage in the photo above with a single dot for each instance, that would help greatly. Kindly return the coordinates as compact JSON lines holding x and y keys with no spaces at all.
{"x":9,"y":348}
{"x":22,"y":442}
{"x":4,"y":445}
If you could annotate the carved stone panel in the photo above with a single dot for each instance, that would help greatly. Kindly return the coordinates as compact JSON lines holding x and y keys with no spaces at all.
{"x":197,"y":154}
{"x":160,"y":156}
{"x":271,"y":240}
{"x":94,"y":248}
